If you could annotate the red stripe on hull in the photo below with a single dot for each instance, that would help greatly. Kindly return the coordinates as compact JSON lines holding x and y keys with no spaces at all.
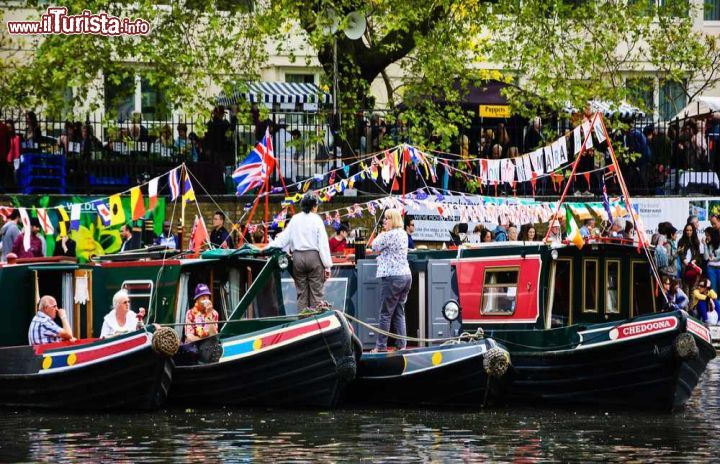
{"x":101,"y":352}
{"x":293,"y":333}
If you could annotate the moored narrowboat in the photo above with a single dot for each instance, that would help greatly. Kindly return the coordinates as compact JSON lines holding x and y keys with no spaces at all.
{"x":582,"y":326}
{"x":120,"y":373}
{"x":285,"y":361}
{"x":464,"y":374}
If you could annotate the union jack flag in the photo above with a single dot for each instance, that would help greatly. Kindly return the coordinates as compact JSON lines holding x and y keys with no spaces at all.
{"x":255,"y":169}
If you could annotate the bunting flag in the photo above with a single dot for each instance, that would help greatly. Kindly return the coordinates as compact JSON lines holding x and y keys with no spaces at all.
{"x":577,"y":141}
{"x":75,"y":216}
{"x":188,"y":191}
{"x":116,"y":210}
{"x":137,"y":204}
{"x":598,"y":129}
{"x":152,"y":193}
{"x":103,"y":212}
{"x":174,"y":183}
{"x":64,"y":221}
{"x":45,"y":222}
{"x":25,"y":219}
{"x":573,"y":232}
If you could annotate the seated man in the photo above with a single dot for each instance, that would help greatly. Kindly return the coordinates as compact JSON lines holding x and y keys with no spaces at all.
{"x":43,"y":328}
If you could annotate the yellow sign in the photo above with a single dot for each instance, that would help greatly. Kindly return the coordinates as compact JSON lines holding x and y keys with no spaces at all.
{"x":495,"y":111}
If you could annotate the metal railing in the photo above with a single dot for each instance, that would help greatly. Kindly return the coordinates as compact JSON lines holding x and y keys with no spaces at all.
{"x":104,"y":157}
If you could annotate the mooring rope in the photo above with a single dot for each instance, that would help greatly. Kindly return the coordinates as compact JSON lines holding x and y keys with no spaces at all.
{"x":465,"y":336}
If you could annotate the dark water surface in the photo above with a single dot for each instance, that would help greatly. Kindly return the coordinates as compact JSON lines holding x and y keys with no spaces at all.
{"x":501,"y":435}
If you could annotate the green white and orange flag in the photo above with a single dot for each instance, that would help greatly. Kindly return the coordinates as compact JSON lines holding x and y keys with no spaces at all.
{"x":573,"y":232}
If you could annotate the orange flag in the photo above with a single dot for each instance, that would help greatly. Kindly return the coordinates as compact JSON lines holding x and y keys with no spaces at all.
{"x":199,"y":235}
{"x":137,"y":203}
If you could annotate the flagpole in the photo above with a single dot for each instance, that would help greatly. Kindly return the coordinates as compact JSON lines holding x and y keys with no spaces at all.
{"x":267,"y":201}
{"x":182,"y":209}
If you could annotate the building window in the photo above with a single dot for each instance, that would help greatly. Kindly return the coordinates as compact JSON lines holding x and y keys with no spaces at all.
{"x":120,"y":97}
{"x":152,"y":101}
{"x":712,"y":10}
{"x":612,"y":284}
{"x":500,"y":291}
{"x":641,"y":91}
{"x":672,"y":99}
{"x":590,"y":286}
{"x":300,"y":78}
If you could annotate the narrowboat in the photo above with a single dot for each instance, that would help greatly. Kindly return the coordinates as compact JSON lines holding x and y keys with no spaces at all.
{"x":263,"y":355}
{"x":121,"y":373}
{"x":132,"y":371}
{"x":583,"y":326}
{"x":463,"y":374}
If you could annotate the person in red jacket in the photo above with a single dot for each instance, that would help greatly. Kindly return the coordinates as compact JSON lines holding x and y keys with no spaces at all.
{"x":339,"y":240}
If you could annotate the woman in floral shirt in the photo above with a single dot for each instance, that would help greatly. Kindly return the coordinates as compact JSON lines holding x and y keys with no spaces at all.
{"x":394,"y":270}
{"x":201,"y":319}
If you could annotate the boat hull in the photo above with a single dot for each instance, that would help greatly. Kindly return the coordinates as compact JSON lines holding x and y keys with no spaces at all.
{"x":644,"y":370}
{"x":113,"y":374}
{"x":448,"y":375}
{"x":306,"y":363}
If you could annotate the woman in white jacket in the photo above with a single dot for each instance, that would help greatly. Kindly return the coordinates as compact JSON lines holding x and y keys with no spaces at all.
{"x":121,"y":319}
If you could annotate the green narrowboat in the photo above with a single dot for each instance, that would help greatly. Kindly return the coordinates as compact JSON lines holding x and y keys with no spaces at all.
{"x":583,"y":326}
{"x":124,"y":372}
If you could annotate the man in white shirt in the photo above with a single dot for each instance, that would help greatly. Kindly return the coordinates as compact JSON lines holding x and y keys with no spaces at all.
{"x":306,"y":238}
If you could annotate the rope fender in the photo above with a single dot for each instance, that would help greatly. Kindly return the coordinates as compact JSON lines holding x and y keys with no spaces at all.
{"x":165,"y":341}
{"x":496,"y":362}
{"x":685,"y":346}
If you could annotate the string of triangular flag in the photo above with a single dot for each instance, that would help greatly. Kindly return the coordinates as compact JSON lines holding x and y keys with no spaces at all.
{"x":109,"y":210}
{"x":464,"y":208}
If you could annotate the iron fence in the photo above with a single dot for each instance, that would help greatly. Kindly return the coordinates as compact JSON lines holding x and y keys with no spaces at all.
{"x":671,"y":157}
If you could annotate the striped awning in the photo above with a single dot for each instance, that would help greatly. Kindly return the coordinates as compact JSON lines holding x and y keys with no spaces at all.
{"x":277,"y":92}
{"x":610,"y":109}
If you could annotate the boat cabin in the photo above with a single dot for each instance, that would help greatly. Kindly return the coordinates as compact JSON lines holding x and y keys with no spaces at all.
{"x":244,"y":284}
{"x":515,"y":285}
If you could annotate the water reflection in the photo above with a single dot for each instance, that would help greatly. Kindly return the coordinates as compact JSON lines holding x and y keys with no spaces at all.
{"x":510,"y":435}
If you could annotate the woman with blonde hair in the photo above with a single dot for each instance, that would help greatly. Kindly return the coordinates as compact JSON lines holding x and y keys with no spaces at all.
{"x":394,"y":271}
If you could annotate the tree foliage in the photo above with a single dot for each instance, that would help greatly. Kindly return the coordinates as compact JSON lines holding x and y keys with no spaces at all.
{"x":553,"y":52}
{"x":191,"y":45}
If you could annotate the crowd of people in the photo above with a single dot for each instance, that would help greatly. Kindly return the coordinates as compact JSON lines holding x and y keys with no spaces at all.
{"x":690,"y":266}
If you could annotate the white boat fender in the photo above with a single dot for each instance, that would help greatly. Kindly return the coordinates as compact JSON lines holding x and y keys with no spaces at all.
{"x":165,"y":341}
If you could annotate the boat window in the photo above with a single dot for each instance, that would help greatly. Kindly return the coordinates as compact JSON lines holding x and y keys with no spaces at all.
{"x":500,"y":291}
{"x":641,"y":290}
{"x":562,"y":300}
{"x":140,"y":293}
{"x":590,"y":285}
{"x":335,"y":291}
{"x":612,"y":284}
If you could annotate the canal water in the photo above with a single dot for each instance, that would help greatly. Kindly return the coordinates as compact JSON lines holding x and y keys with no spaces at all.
{"x":527,"y":434}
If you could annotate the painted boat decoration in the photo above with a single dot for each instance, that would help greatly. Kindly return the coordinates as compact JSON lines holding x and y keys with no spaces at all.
{"x":581,"y":326}
{"x":120,"y":373}
{"x":466,"y":374}
{"x":292,"y":362}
